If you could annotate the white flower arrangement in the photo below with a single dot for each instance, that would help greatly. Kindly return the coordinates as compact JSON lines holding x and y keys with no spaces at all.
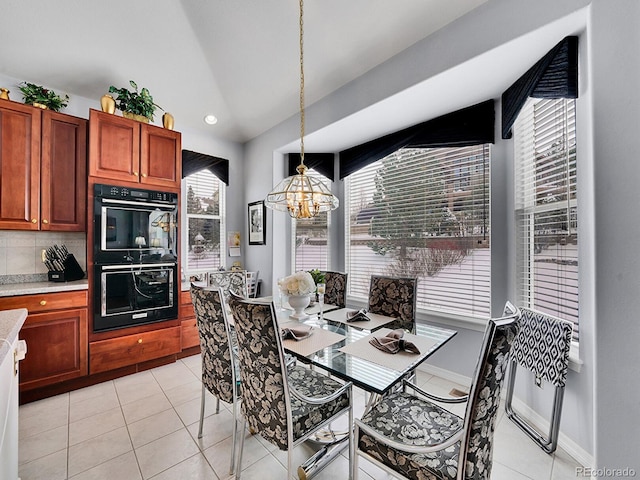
{"x":300,"y":283}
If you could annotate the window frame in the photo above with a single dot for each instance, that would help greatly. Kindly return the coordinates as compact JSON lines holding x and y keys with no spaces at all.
{"x":528,"y":205}
{"x":184,"y":220}
{"x":423,"y":308}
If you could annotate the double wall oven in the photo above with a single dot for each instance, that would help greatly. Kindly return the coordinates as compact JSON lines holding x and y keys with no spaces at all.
{"x":135,"y":263}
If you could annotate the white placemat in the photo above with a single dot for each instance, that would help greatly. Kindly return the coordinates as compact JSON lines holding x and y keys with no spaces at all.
{"x":376,"y":320}
{"x":395,"y":361}
{"x":318,"y":340}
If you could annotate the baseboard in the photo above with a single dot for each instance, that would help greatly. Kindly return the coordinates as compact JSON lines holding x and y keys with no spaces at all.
{"x":542,"y":424}
{"x":567,"y":444}
{"x":446,"y":374}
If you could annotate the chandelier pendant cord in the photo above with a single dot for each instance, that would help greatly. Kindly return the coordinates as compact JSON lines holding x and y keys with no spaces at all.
{"x":301,"y":84}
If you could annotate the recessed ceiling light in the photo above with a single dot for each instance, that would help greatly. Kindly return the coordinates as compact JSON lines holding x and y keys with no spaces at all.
{"x":210,"y":119}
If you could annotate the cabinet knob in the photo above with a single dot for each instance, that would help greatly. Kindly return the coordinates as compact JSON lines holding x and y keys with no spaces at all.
{"x":34,"y":220}
{"x":144,"y":175}
{"x":43,"y":302}
{"x":45,"y":221}
{"x":135,"y":174}
{"x":139,"y":340}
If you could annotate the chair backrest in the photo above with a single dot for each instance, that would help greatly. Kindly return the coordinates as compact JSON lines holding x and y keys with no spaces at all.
{"x":542,"y":346}
{"x":394,"y":297}
{"x":230,"y":282}
{"x":252,"y":284}
{"x":218,"y":373}
{"x":335,"y":289}
{"x":265,"y":392}
{"x":476,"y":449}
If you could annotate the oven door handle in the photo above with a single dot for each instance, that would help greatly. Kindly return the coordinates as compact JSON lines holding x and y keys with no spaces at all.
{"x":165,"y":206}
{"x":138,"y":266}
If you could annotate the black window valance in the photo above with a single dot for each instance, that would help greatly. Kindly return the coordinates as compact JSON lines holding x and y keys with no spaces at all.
{"x":193,"y":162}
{"x":320,"y":162}
{"x":554,"y":76}
{"x":473,"y":125}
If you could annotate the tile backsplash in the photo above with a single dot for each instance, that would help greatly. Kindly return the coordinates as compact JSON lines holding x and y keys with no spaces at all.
{"x":21,"y":251}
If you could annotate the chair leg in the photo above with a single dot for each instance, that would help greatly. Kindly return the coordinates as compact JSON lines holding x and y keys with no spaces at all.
{"x":217,"y":405}
{"x":239,"y":460}
{"x":289,"y":462}
{"x":233,"y":438}
{"x":201,"y":412}
{"x":352,"y":464}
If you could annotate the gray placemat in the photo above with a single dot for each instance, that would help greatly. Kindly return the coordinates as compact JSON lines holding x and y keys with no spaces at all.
{"x":396,"y":361}
{"x":318,"y":340}
{"x":376,"y":321}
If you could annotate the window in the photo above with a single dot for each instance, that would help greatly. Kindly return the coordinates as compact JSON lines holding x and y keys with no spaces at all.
{"x":424,"y":212}
{"x":311,"y":237}
{"x":546,"y":208}
{"x":204,"y":201}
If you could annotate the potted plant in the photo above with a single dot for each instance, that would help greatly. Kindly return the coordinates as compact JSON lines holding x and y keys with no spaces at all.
{"x":39,"y":96}
{"x":134,"y":104}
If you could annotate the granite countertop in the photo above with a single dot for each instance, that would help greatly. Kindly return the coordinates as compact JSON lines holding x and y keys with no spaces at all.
{"x":13,"y":289}
{"x":11,"y":322}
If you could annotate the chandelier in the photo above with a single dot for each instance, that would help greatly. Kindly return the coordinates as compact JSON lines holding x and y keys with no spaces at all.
{"x":301,"y":195}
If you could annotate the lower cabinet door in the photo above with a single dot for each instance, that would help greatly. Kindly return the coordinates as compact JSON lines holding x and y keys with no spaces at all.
{"x":56,"y":347}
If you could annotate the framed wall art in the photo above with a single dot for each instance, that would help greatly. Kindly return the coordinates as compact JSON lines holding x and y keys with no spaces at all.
{"x":257,"y":223}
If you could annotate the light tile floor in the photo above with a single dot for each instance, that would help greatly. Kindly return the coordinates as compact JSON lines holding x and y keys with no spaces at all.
{"x":144,"y":426}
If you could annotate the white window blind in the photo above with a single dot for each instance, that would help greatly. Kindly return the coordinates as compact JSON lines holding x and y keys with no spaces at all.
{"x":546,"y":208}
{"x":311,"y":237}
{"x":204,"y":201}
{"x":424,"y":212}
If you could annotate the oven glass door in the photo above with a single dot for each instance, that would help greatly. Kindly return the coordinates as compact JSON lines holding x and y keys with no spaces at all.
{"x":129,"y":227}
{"x":136,"y":290}
{"x":132,"y":295}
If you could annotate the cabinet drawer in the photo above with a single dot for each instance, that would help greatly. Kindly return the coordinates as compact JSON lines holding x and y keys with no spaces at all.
{"x":46,"y":301}
{"x":190,"y":336}
{"x":131,"y":349}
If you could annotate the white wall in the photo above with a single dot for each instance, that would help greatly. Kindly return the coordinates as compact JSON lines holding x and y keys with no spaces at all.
{"x":601,"y":411}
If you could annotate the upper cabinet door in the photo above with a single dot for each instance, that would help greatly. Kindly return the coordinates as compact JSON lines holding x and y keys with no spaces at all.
{"x":114,"y":147}
{"x":160,"y":157}
{"x":129,"y":151}
{"x":19,"y":166}
{"x":64,"y":172}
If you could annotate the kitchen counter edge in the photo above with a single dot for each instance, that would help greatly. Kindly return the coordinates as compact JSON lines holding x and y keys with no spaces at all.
{"x":35,"y":288}
{"x":11,"y":322}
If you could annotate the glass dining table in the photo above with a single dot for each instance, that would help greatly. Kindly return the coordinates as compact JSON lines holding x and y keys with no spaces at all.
{"x":341,"y":348}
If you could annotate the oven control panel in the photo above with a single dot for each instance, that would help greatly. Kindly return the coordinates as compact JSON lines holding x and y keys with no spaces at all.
{"x":134,"y":194}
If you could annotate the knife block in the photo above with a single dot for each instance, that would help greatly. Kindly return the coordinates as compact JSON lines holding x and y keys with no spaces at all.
{"x":72,"y":271}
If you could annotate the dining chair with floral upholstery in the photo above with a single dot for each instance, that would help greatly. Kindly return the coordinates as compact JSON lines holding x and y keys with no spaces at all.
{"x":335,"y":289}
{"x":394,"y":297}
{"x":410,"y":437}
{"x":219,"y":360}
{"x":285,"y":405}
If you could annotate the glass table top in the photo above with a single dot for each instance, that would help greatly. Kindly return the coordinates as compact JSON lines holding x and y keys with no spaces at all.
{"x":365,"y":374}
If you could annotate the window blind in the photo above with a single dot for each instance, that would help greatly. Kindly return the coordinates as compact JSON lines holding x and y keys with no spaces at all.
{"x":546,"y":208}
{"x":205,"y":226}
{"x":424,"y":212}
{"x":311,"y":237}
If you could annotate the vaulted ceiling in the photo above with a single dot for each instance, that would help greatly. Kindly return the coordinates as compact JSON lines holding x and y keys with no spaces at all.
{"x":236,"y":59}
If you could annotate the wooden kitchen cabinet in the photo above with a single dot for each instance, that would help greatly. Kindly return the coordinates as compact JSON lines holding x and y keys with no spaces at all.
{"x":19,"y":166}
{"x":188,"y":324}
{"x":56,"y":332}
{"x":43,"y":162}
{"x":64,"y":173}
{"x":125,"y":150}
